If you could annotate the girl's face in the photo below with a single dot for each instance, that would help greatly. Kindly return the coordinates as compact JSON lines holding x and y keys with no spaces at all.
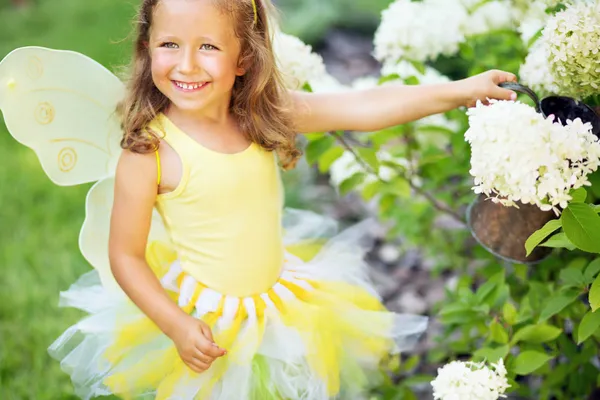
{"x":194,"y":53}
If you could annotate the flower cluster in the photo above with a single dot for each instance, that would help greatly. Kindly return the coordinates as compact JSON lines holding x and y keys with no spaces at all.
{"x":489,"y":16}
{"x":573,"y":40}
{"x":296,"y":61}
{"x":470,"y":381}
{"x":535,"y":72}
{"x":419,"y":31}
{"x":346,"y":166}
{"x":532,"y":16}
{"x":518,"y":155}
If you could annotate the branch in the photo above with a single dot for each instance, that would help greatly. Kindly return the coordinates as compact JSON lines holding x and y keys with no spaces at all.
{"x":436,"y":204}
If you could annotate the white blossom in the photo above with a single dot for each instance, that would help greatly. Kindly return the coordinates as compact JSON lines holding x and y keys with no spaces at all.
{"x":346,"y":166}
{"x":296,"y":61}
{"x":535,"y":72}
{"x":419,"y":31}
{"x":573,"y":40}
{"x":406,"y":70}
{"x":327,"y":84}
{"x":493,"y":15}
{"x":518,"y":155}
{"x":470,"y":381}
{"x":532,"y":18}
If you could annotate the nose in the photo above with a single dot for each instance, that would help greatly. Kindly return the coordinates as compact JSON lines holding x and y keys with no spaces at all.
{"x":188,"y":63}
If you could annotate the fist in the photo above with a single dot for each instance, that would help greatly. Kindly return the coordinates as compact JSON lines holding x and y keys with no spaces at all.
{"x":195,"y":345}
{"x":485,"y":86}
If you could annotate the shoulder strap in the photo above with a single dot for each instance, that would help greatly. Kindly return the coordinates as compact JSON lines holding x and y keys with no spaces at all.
{"x":158,"y":168}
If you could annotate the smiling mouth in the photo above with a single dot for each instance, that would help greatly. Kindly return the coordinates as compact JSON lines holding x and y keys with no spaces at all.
{"x":190,"y":86}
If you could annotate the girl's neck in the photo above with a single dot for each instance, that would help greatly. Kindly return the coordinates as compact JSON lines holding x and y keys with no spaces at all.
{"x":200,"y":118}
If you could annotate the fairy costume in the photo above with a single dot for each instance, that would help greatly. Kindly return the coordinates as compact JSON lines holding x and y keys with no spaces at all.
{"x":298,"y":315}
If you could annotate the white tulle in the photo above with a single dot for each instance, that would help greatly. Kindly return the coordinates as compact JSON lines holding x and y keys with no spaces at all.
{"x":281,"y":349}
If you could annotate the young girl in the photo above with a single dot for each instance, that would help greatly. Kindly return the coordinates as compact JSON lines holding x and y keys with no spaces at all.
{"x":228,"y":309}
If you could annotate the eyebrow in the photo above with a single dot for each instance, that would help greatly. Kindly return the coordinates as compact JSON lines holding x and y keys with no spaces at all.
{"x":174,"y":38}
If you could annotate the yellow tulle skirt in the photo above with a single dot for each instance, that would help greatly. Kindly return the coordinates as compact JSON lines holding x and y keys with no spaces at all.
{"x":319,"y":333}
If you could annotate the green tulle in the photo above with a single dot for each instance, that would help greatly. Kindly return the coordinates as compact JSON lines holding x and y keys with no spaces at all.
{"x":262,"y":388}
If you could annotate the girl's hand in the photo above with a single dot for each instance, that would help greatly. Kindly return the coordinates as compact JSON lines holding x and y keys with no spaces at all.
{"x":485,"y":86}
{"x":195,"y":344}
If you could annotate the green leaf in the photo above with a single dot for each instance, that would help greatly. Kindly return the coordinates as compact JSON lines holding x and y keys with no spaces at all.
{"x":411,"y":80}
{"x":560,"y":241}
{"x":411,"y":363}
{"x":538,"y":236}
{"x":491,"y":354}
{"x":556,"y":305}
{"x":589,"y":325}
{"x":497,"y":333}
{"x":317,"y":148}
{"x":484,"y":290}
{"x":582,"y":226}
{"x":370,"y":156}
{"x":540,"y":333}
{"x":578,"y":195}
{"x":572,"y":277}
{"x":419,"y":66}
{"x":329,"y":157}
{"x":389,"y":78}
{"x":417,"y":380}
{"x":529,"y":361}
{"x":399,"y":186}
{"x":591,"y":271}
{"x":352,"y":182}
{"x":386,"y":202}
{"x":509,"y":313}
{"x":371,"y":189}
{"x":535,"y":37}
{"x":595,"y":294}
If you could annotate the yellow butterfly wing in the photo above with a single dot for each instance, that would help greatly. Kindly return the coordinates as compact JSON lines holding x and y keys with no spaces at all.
{"x":93,"y":240}
{"x":62,"y":105}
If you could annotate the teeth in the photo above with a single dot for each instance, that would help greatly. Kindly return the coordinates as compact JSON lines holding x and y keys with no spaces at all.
{"x":188,"y":86}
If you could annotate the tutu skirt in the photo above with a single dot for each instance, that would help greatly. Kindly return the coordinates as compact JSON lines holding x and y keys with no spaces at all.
{"x":319,"y":333}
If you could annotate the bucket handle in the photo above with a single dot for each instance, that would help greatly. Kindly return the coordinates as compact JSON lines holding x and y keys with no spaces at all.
{"x":517,"y":87}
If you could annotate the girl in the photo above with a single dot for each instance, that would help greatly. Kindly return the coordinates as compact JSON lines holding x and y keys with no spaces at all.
{"x":229,"y":312}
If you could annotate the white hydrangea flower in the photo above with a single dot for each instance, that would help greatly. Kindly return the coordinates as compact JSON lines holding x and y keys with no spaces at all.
{"x":296,"y":60}
{"x":365,"y":82}
{"x":573,"y":40}
{"x":419,"y":31}
{"x":493,"y":15}
{"x":327,"y":84}
{"x":346,"y":166}
{"x":470,"y":381}
{"x":532,"y":17}
{"x":535,"y":72}
{"x":405,"y":70}
{"x":518,"y":155}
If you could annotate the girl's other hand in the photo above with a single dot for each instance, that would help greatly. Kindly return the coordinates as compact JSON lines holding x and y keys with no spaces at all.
{"x":195,"y":344}
{"x":485,"y":86}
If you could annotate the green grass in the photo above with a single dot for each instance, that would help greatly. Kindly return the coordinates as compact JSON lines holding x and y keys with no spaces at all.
{"x":40,"y":222}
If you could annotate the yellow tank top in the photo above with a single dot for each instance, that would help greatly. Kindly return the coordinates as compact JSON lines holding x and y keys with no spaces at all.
{"x":224,"y":218}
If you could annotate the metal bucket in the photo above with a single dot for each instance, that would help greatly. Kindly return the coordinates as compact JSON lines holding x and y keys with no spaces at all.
{"x":503,"y":230}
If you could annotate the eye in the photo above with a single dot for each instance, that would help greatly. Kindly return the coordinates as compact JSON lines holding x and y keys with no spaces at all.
{"x":169,"y":45}
{"x":208,"y":47}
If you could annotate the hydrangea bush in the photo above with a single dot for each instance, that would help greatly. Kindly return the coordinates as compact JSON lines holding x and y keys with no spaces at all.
{"x":541,"y":320}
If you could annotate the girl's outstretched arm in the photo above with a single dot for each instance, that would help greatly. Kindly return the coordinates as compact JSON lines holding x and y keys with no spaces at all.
{"x":393,"y":104}
{"x":135,"y":194}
